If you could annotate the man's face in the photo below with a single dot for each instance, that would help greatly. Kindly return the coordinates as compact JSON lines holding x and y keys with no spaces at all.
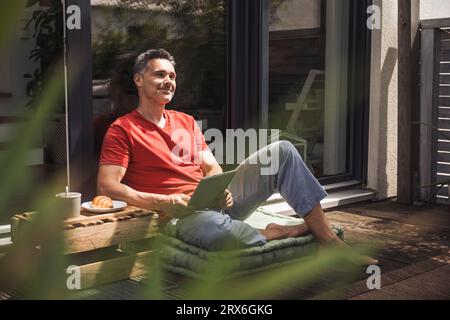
{"x":158,"y":82}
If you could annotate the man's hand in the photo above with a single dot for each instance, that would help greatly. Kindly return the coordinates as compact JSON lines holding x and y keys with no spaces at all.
{"x":176,"y":206}
{"x":224,"y":201}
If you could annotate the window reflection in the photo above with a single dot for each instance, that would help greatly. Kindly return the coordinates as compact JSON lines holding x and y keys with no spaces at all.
{"x":193,"y":31}
{"x":308,"y":52}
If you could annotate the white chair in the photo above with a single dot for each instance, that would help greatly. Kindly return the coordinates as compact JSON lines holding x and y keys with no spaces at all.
{"x":301,"y":105}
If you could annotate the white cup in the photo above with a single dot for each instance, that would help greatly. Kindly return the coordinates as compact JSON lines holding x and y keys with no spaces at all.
{"x":70,"y":204}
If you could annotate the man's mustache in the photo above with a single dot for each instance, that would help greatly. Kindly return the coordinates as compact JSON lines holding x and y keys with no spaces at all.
{"x":170,"y":88}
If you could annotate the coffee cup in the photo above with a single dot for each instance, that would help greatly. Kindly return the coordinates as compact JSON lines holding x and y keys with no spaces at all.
{"x":70,"y":204}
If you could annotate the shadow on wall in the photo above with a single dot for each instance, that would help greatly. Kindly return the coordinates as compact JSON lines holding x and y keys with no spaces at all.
{"x":387,"y":72}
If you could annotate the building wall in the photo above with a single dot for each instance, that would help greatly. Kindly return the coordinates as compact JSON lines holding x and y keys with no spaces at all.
{"x":382,"y":159}
{"x":383,"y":126}
{"x":434,"y":9}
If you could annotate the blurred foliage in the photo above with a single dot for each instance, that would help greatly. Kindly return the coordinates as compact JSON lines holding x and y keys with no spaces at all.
{"x":35,"y":272}
{"x":275,"y":282}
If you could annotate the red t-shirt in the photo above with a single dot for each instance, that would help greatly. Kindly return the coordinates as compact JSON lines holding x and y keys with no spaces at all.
{"x":158,"y":160}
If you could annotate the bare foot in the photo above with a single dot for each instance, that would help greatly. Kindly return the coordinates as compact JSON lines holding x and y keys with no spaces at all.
{"x":289,"y":231}
{"x":321,"y":229}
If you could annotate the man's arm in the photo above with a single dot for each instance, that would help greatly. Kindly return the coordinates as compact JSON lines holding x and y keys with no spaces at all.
{"x":209,"y":163}
{"x":109,"y":184}
{"x":210,"y":167}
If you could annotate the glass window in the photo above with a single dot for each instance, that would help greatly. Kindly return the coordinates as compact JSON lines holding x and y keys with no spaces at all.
{"x":192,"y":31}
{"x":308,"y":67}
{"x":29,"y":53}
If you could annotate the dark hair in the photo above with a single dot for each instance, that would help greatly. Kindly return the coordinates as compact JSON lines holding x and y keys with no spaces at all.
{"x":140,"y":64}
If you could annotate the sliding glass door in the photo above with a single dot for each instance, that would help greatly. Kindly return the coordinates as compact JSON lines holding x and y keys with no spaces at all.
{"x":309,"y":80}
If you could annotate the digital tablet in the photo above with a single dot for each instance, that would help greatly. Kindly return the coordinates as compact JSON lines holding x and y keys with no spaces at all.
{"x":209,"y":189}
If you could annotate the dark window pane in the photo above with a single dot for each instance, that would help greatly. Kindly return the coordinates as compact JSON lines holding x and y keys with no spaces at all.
{"x":192,"y":31}
{"x":308,"y":52}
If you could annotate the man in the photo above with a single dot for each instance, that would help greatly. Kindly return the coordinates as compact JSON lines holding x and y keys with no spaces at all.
{"x":137,"y":166}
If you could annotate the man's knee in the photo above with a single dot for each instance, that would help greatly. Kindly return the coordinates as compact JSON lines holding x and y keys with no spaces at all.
{"x":287,"y":149}
{"x":216,"y":235}
{"x":211,"y":233}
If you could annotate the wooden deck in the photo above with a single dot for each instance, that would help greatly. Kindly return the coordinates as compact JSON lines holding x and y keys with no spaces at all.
{"x":413,"y":252}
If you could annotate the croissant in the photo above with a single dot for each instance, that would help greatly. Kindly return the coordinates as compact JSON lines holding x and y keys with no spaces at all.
{"x":102,"y":202}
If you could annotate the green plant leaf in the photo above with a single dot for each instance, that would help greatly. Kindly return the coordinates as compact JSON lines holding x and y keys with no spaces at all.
{"x":270,"y":283}
{"x":13,"y":162}
{"x":31,"y":3}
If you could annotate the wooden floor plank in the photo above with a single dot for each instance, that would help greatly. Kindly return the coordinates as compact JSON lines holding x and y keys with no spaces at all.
{"x":413,"y":249}
{"x":426,"y":286}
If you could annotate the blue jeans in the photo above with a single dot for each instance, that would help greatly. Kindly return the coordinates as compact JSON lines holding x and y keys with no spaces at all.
{"x":213,"y":230}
